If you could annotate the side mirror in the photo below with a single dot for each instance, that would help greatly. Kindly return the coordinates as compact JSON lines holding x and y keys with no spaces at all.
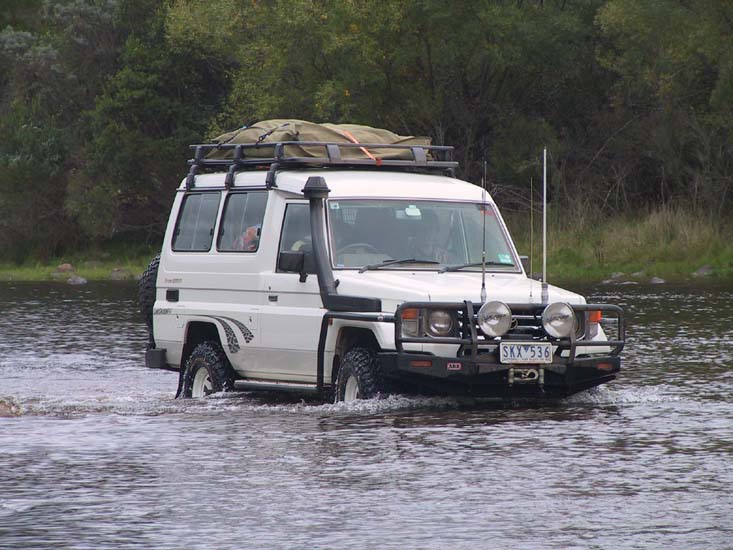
{"x":291,"y":262}
{"x":525,"y":264}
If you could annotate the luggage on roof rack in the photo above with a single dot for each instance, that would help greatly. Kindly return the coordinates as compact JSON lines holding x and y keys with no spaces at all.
{"x":268,"y":132}
{"x":241,"y":150}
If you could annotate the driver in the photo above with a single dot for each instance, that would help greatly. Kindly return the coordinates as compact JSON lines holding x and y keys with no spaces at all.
{"x":430,"y":243}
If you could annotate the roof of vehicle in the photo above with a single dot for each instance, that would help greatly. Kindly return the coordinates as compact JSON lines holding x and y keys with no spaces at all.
{"x":411,"y":171}
{"x":354,"y":183}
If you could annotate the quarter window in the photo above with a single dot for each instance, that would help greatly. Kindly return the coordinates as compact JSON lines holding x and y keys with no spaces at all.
{"x":195,"y":228}
{"x":241,"y":223}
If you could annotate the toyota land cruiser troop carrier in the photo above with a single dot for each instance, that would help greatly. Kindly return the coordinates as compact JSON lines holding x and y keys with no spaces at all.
{"x":349,"y":275}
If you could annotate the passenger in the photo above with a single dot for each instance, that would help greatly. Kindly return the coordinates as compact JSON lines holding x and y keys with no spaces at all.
{"x":249,"y":240}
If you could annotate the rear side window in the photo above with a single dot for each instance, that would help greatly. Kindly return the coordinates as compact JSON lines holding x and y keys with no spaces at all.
{"x":241,"y":223}
{"x":195,"y":228}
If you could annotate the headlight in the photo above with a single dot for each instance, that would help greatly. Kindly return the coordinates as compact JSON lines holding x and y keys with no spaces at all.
{"x":440,"y":323}
{"x":495,"y":318}
{"x":558,"y":319}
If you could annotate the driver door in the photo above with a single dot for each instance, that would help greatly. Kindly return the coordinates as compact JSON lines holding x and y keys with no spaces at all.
{"x":291,"y":318}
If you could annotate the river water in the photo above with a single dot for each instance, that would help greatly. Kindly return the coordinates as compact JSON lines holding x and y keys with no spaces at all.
{"x":103,"y":456}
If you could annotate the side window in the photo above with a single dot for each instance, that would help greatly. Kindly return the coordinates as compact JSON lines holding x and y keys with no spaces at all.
{"x":296,"y":234}
{"x":241,"y":223}
{"x":195,"y":228}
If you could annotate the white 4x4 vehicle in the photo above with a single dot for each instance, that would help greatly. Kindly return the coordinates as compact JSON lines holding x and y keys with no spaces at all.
{"x":353,"y":277}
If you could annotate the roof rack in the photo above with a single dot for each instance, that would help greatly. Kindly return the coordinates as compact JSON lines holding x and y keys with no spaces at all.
{"x":424,"y":158}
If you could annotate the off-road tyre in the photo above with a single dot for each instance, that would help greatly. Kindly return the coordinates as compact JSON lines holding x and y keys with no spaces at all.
{"x":146,"y":296}
{"x":363,"y":365}
{"x":211,"y":358}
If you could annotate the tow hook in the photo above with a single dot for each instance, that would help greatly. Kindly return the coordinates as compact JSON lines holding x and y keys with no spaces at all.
{"x":526,"y":376}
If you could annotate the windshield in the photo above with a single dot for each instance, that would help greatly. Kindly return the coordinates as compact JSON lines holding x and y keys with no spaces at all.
{"x":436,"y":234}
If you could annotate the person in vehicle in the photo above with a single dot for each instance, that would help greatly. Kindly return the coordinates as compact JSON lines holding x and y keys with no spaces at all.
{"x":430,"y":243}
{"x":248,"y":240}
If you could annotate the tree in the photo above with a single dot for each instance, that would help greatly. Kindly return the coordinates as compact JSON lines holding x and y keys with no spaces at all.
{"x":675,"y":63}
{"x":160,"y":100}
{"x":32,"y":177}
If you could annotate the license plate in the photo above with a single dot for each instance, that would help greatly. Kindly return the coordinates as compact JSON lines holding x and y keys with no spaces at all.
{"x":521,"y":352}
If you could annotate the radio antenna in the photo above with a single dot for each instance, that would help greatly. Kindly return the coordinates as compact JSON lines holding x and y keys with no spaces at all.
{"x":483,"y":246}
{"x":544,"y":227}
{"x":531,"y":233}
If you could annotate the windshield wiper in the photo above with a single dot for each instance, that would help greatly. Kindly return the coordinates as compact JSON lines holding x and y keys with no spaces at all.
{"x":474,"y":264}
{"x":396,"y":262}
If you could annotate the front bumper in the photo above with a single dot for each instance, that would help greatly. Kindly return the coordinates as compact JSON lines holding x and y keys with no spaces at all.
{"x":576,"y":364}
{"x":464,"y":376}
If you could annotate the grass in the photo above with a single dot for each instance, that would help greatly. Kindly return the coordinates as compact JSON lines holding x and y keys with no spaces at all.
{"x":127,"y":261}
{"x":667,"y":243}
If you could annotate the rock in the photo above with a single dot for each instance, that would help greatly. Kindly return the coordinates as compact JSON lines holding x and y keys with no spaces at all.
{"x":9,"y":408}
{"x":65,"y":268}
{"x":656,"y":281}
{"x":76,"y":280}
{"x":639,"y":274}
{"x":56,"y":276}
{"x":614,"y":279}
{"x":120,"y":274}
{"x":626,"y":283}
{"x":704,"y":271}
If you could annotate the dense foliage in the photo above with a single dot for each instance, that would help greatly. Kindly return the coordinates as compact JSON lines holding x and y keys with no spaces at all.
{"x":99,"y":99}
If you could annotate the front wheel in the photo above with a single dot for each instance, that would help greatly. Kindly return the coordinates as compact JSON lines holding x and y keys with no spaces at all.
{"x":207,"y":371}
{"x":359,"y":376}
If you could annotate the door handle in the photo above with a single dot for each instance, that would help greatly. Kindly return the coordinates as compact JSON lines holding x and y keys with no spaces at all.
{"x":171,"y":295}
{"x":272,"y":298}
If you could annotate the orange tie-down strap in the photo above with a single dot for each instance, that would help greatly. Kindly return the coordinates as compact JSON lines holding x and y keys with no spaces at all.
{"x":364,"y":149}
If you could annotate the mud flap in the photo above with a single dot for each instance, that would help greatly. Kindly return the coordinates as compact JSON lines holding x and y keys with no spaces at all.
{"x":181,"y":373}
{"x":155,"y":358}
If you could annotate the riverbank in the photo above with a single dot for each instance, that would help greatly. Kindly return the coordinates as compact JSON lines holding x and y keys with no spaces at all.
{"x":666,"y":245}
{"x":114,"y":263}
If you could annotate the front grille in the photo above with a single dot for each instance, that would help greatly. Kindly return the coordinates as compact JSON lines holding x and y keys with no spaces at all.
{"x":526,"y":326}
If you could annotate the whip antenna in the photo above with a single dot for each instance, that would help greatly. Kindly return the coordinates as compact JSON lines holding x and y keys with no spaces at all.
{"x":544,"y":227}
{"x":483,"y":246}
{"x":531,"y":233}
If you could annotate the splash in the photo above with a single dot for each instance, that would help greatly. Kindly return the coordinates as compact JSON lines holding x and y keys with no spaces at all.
{"x":8,"y":407}
{"x":607,"y":395}
{"x":163,"y":403}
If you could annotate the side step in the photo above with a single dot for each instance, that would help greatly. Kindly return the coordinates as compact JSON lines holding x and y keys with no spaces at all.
{"x":274,"y":385}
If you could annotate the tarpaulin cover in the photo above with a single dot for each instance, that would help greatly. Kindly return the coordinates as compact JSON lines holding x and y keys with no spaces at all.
{"x":279,"y":130}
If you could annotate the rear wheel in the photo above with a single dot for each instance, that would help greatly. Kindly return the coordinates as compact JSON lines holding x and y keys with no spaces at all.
{"x":207,"y":371}
{"x":146,"y":296}
{"x":360,"y":375}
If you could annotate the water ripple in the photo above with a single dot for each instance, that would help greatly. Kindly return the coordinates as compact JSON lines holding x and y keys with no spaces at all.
{"x":102,"y":455}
